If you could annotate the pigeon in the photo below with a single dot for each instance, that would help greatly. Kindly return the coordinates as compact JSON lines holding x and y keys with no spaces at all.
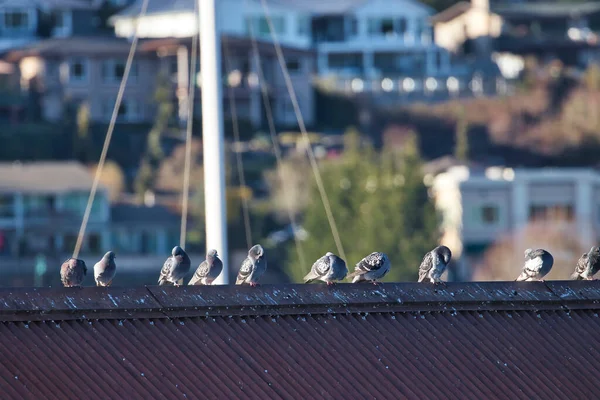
{"x":372,"y":268}
{"x":208,"y":270}
{"x":434,"y":264}
{"x":537,"y":265}
{"x":105,"y":270}
{"x":72,"y":272}
{"x":328,"y":268}
{"x":253,"y":267}
{"x":588,"y":265}
{"x":175,"y":268}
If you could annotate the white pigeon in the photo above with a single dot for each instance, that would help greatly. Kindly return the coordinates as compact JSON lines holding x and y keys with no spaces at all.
{"x":537,"y":265}
{"x":434,"y":264}
{"x":372,"y":268}
{"x":328,"y":269}
{"x":105,"y":269}
{"x":253,"y":267}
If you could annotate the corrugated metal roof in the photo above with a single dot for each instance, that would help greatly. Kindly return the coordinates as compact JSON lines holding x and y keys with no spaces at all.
{"x":500,"y":340}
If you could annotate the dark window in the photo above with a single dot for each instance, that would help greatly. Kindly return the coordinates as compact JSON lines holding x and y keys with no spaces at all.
{"x":489,"y":214}
{"x":293,"y":65}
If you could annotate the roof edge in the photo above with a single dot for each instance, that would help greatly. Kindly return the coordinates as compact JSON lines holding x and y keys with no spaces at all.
{"x":34,"y":304}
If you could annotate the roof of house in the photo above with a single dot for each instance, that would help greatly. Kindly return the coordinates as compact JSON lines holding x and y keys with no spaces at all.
{"x":451,"y":12}
{"x":74,"y":46}
{"x":546,"y":10}
{"x":503,"y":340}
{"x":232,"y":42}
{"x":315,"y":7}
{"x":53,"y":4}
{"x":44,"y":177}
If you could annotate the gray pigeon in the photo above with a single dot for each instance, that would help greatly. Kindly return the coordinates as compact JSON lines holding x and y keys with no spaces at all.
{"x":72,"y":272}
{"x":105,"y":270}
{"x":175,"y":268}
{"x":588,"y":265}
{"x":208,"y":270}
{"x":537,"y":265}
{"x":434,"y":264}
{"x":372,"y":268}
{"x":328,"y":268}
{"x":253,"y":267}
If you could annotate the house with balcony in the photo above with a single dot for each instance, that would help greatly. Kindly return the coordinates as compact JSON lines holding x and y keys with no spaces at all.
{"x":507,"y":29}
{"x":87,"y":70}
{"x":42,"y":205}
{"x":26,"y":21}
{"x":481,"y":205}
{"x":167,"y":28}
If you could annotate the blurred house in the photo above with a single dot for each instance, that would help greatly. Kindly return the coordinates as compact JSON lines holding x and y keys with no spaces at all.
{"x":480,"y":205}
{"x":42,"y":205}
{"x":26,"y":21}
{"x":241,"y":75}
{"x":544,"y":29}
{"x":87,"y":70}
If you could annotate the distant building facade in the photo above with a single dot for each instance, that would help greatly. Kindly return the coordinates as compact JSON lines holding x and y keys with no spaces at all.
{"x":479,"y":206}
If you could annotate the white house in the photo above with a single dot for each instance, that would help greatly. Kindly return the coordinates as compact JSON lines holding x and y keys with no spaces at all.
{"x":179,"y":19}
{"x":478,"y":207}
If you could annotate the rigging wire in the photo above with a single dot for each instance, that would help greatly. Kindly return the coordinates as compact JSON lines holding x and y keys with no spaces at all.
{"x":273,"y":133}
{"x":302,"y":126}
{"x":238,"y":154}
{"x":109,"y":133}
{"x":188,"y":135}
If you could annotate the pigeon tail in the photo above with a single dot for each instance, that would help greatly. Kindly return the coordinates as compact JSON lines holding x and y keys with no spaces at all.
{"x":310,"y":277}
{"x":355,"y":274}
{"x":576,"y":276}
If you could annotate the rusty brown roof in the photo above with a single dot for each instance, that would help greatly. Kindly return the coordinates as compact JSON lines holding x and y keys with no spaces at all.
{"x":498,"y":340}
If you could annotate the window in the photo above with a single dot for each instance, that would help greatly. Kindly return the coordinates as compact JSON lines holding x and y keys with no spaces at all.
{"x":387,"y":26}
{"x":7,"y":209}
{"x":97,"y":206}
{"x":62,"y":23}
{"x":95,"y":243}
{"x":489,"y":214}
{"x":78,"y":70}
{"x":303,"y":26}
{"x":551,"y":212}
{"x":16,"y":20}
{"x":260,"y":26}
{"x":293,"y":65}
{"x":114,"y":70}
{"x":74,"y":203}
{"x":129,"y":110}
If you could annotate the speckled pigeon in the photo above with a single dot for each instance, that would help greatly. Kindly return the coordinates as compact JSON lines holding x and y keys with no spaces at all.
{"x":253,"y":267}
{"x":208,"y":270}
{"x":434,"y":264}
{"x":72,"y":272}
{"x":105,"y":269}
{"x":588,"y":265}
{"x":328,"y":268}
{"x":175,"y":268}
{"x":537,"y":265}
{"x":372,"y":268}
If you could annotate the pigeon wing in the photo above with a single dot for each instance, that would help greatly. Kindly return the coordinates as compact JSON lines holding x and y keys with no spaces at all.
{"x":245,"y":271}
{"x":201,"y":272}
{"x":319,"y":269}
{"x":371,"y":262}
{"x":532,"y":267}
{"x":581,"y":266}
{"x":425,"y":266}
{"x":166,"y":270}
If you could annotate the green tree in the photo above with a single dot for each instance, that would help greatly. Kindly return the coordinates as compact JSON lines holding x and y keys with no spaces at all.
{"x":148,"y":171}
{"x":379,"y":203}
{"x":461,"y":148}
